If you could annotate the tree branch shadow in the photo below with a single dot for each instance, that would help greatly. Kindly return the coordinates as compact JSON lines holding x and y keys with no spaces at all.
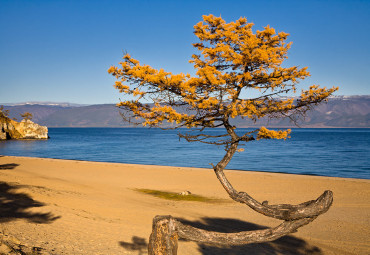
{"x":8,"y":166}
{"x":287,"y":245}
{"x":138,"y":244}
{"x":14,"y":206}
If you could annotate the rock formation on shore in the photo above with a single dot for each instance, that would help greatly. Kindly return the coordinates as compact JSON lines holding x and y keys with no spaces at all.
{"x":26,"y":129}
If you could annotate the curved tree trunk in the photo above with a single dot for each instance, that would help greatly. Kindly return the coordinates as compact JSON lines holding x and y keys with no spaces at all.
{"x":163,"y":239}
{"x":281,"y":211}
{"x":166,"y":230}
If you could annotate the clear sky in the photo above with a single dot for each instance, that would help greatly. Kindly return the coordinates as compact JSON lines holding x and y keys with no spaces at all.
{"x":60,"y":50}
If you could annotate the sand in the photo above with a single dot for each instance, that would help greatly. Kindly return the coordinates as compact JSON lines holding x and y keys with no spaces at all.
{"x":77,"y":207}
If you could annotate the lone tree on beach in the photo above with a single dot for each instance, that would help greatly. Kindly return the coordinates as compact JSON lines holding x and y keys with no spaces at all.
{"x":234,"y":64}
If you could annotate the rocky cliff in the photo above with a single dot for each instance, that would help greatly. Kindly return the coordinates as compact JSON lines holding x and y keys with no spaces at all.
{"x":26,"y":129}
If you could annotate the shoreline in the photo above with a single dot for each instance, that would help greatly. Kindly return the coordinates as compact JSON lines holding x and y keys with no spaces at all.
{"x":185,"y":167}
{"x":85,"y":207}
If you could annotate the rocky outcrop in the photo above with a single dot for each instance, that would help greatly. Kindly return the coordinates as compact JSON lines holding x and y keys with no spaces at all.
{"x":26,"y":129}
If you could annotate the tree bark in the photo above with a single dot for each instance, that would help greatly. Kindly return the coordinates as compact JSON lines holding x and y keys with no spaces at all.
{"x":240,"y":238}
{"x":163,"y":239}
{"x":281,"y":211}
{"x":166,"y":231}
{"x":307,"y":209}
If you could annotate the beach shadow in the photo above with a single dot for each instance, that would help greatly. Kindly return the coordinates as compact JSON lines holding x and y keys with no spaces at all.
{"x":8,"y":166}
{"x":137,"y":244}
{"x":14,"y":206}
{"x":287,"y":245}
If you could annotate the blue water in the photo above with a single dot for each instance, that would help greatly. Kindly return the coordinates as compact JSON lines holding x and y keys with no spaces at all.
{"x":327,"y":152}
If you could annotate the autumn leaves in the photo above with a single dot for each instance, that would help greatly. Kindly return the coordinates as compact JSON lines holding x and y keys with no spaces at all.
{"x":232,"y":61}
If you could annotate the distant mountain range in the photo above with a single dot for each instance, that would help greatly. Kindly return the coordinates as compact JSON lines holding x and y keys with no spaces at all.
{"x":339,"y":111}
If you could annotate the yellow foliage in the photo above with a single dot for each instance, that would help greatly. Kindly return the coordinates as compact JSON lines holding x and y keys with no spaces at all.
{"x":232,"y":61}
{"x":265,"y":133}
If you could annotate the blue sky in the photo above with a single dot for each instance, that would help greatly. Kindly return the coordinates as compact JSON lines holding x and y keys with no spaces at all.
{"x":60,"y":50}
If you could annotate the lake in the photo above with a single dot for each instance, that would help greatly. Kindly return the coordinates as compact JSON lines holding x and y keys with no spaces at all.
{"x":325,"y":152}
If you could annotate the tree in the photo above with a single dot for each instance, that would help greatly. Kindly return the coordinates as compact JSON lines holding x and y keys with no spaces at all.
{"x":233,"y":62}
{"x":27,"y":116}
{"x":3,"y":113}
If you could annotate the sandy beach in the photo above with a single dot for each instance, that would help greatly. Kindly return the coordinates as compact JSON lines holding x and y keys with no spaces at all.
{"x":77,"y":207}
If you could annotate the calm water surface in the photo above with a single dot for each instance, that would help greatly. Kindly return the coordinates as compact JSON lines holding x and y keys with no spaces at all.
{"x":328,"y":152}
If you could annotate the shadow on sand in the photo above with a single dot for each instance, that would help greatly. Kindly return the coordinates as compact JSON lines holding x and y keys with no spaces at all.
{"x":137,"y":244}
{"x":288,"y":245}
{"x":14,"y":205}
{"x":8,"y":166}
